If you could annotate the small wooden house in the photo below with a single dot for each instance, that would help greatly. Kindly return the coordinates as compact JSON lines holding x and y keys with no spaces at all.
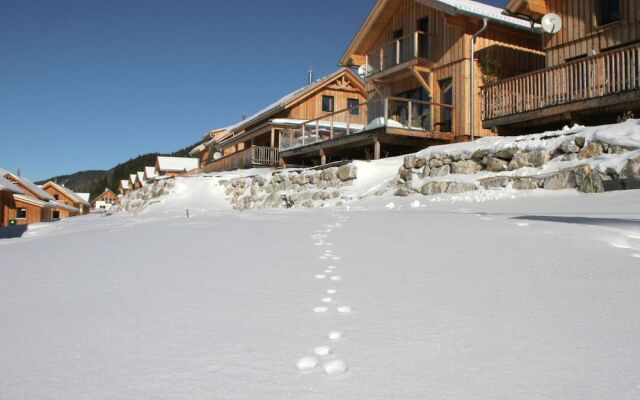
{"x":29,"y":204}
{"x":256,"y":140}
{"x":140,"y":179}
{"x":209,"y":150}
{"x":133,"y":182}
{"x":423,"y":84}
{"x":175,"y":166}
{"x":108,"y":196}
{"x":124,"y":188}
{"x":592,"y":71}
{"x":149,"y":173}
{"x":64,"y":195}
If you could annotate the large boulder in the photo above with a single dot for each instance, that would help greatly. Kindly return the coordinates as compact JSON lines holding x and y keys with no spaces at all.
{"x":522,"y":159}
{"x":403,"y":192}
{"x":466,"y":167}
{"x":569,"y":146}
{"x":330,"y":173}
{"x":409,"y":161}
{"x":420,"y":162}
{"x":631,"y":170}
{"x":441,"y":171}
{"x":591,"y":150}
{"x":458,"y":187}
{"x":525,"y":183}
{"x":347,"y":172}
{"x":435,"y":163}
{"x":405,"y":174}
{"x":495,"y":182}
{"x":496,"y":165}
{"x":565,"y":179}
{"x":588,"y":180}
{"x":432,"y":188}
{"x":507,"y":154}
{"x":538,"y":158}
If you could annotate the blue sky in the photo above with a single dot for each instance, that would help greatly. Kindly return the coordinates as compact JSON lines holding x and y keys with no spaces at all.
{"x":86,"y":84}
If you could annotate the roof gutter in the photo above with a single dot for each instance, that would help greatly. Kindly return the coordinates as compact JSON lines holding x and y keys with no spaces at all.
{"x":472,"y":114}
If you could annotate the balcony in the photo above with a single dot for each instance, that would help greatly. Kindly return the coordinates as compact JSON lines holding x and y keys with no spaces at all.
{"x":601,"y":80}
{"x":252,"y":157}
{"x":390,"y":115}
{"x":408,"y":48}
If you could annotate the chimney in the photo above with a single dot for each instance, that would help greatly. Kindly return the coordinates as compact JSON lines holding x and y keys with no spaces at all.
{"x":310,"y":75}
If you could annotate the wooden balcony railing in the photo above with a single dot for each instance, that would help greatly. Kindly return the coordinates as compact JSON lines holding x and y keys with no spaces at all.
{"x":601,"y":75}
{"x":398,"y":51}
{"x":254,"y":156}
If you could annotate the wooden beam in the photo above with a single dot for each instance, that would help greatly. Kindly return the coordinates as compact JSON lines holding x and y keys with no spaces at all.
{"x":323,"y":157}
{"x":376,"y":149}
{"x":422,"y":81}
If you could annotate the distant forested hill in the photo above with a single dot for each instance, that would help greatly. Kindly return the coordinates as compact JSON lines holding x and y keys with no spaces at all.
{"x":95,"y":181}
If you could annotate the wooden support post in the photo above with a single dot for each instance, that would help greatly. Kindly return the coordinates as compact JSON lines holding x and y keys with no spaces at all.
{"x":323,"y":157}
{"x":376,"y":149}
{"x":273,"y":137}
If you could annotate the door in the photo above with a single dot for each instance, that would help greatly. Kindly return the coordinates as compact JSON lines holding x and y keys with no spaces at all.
{"x":446,"y":98}
{"x":423,"y":37}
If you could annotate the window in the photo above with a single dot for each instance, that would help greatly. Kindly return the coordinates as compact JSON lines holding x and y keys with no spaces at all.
{"x":420,"y":111}
{"x":446,"y":113}
{"x":353,"y":103}
{"x":609,"y":11}
{"x":55,"y":215}
{"x":327,"y":103}
{"x":57,"y":197}
{"x":423,"y":37}
{"x":21,"y":213}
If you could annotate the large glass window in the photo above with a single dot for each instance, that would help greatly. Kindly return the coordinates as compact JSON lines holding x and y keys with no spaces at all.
{"x":328,"y":103}
{"x":446,"y":98}
{"x":609,"y":11}
{"x":420,"y":111}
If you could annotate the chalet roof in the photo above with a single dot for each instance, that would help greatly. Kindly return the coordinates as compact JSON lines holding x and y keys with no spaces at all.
{"x":468,"y":8}
{"x":149,"y":172}
{"x":177,"y":164}
{"x":37,"y":190}
{"x":85,"y":196}
{"x":141,"y":177}
{"x":70,"y":193}
{"x":34,"y":201}
{"x":103,"y":194}
{"x":61,"y":205}
{"x":285,"y":101}
{"x":124,"y":184}
{"x":133,"y":178}
{"x":8,"y":186}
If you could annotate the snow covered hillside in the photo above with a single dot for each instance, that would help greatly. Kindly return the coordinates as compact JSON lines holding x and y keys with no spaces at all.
{"x":484,"y":295}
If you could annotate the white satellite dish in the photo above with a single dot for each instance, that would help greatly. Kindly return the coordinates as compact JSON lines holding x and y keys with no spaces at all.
{"x":217,"y":155}
{"x":365,"y":70}
{"x":551,"y":23}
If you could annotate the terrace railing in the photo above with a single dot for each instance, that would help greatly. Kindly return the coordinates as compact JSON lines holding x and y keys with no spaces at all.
{"x":398,"y":51}
{"x":601,"y":75}
{"x":389,"y":112}
{"x":254,"y":156}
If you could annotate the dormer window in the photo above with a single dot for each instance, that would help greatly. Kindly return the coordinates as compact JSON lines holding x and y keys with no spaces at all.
{"x":609,"y":11}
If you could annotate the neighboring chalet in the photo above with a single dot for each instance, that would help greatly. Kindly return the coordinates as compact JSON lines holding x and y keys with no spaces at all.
{"x":415,"y":56}
{"x":140,"y":178}
{"x":124,"y":187}
{"x":175,"y":166}
{"x":28,"y":205}
{"x":254,"y":142}
{"x":105,"y":201}
{"x":149,"y":173}
{"x":68,"y":197}
{"x":209,"y":151}
{"x":133,"y":182}
{"x":592,"y":73}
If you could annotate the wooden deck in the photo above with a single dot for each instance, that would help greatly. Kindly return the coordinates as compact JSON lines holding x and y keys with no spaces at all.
{"x":252,"y":157}
{"x":597,"y":81}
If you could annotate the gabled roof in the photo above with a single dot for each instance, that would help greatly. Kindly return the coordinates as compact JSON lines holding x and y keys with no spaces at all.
{"x":292,"y":99}
{"x":377,"y":19}
{"x":58,"y":204}
{"x":149,"y":173}
{"x":103,"y":194}
{"x":28,"y":185}
{"x":141,"y":177}
{"x":8,"y":186}
{"x":177,"y":164}
{"x":84,"y":196}
{"x":133,"y":178}
{"x":209,"y":139}
{"x":33,"y":201}
{"x":124,"y":184}
{"x":69,"y":193}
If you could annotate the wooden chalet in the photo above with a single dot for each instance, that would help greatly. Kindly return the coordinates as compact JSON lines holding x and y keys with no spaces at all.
{"x":416,"y":59}
{"x":149,"y":173}
{"x":23,"y":202}
{"x":208,"y":151}
{"x":133,"y":182}
{"x":175,"y":166}
{"x":65,"y":196}
{"x":108,"y":197}
{"x":255,"y":141}
{"x":140,"y":179}
{"x":592,"y":71}
{"x":124,"y":188}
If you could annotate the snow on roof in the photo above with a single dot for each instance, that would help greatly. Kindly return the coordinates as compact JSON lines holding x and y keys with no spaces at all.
{"x":124,"y":184}
{"x":477,"y":9}
{"x":177,"y":163}
{"x":85,"y":196}
{"x":29,"y":185}
{"x":7,"y":185}
{"x":59,"y":204}
{"x":132,"y":178}
{"x":149,"y":172}
{"x":32,"y":200}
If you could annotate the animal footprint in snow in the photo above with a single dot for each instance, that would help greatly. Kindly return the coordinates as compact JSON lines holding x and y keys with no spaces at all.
{"x":322,"y":351}
{"x":335,"y":367}
{"x":320,"y":310}
{"x":331,"y":267}
{"x":328,"y":271}
{"x":335,"y":335}
{"x":324,"y":258}
{"x":345,"y":310}
{"x":332,"y":291}
{"x":336,"y":278}
{"x":321,"y":276}
{"x":326,"y":299}
{"x":307,"y":363}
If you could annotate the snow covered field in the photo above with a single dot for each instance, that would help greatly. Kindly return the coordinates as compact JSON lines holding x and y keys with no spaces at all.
{"x":488,"y":295}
